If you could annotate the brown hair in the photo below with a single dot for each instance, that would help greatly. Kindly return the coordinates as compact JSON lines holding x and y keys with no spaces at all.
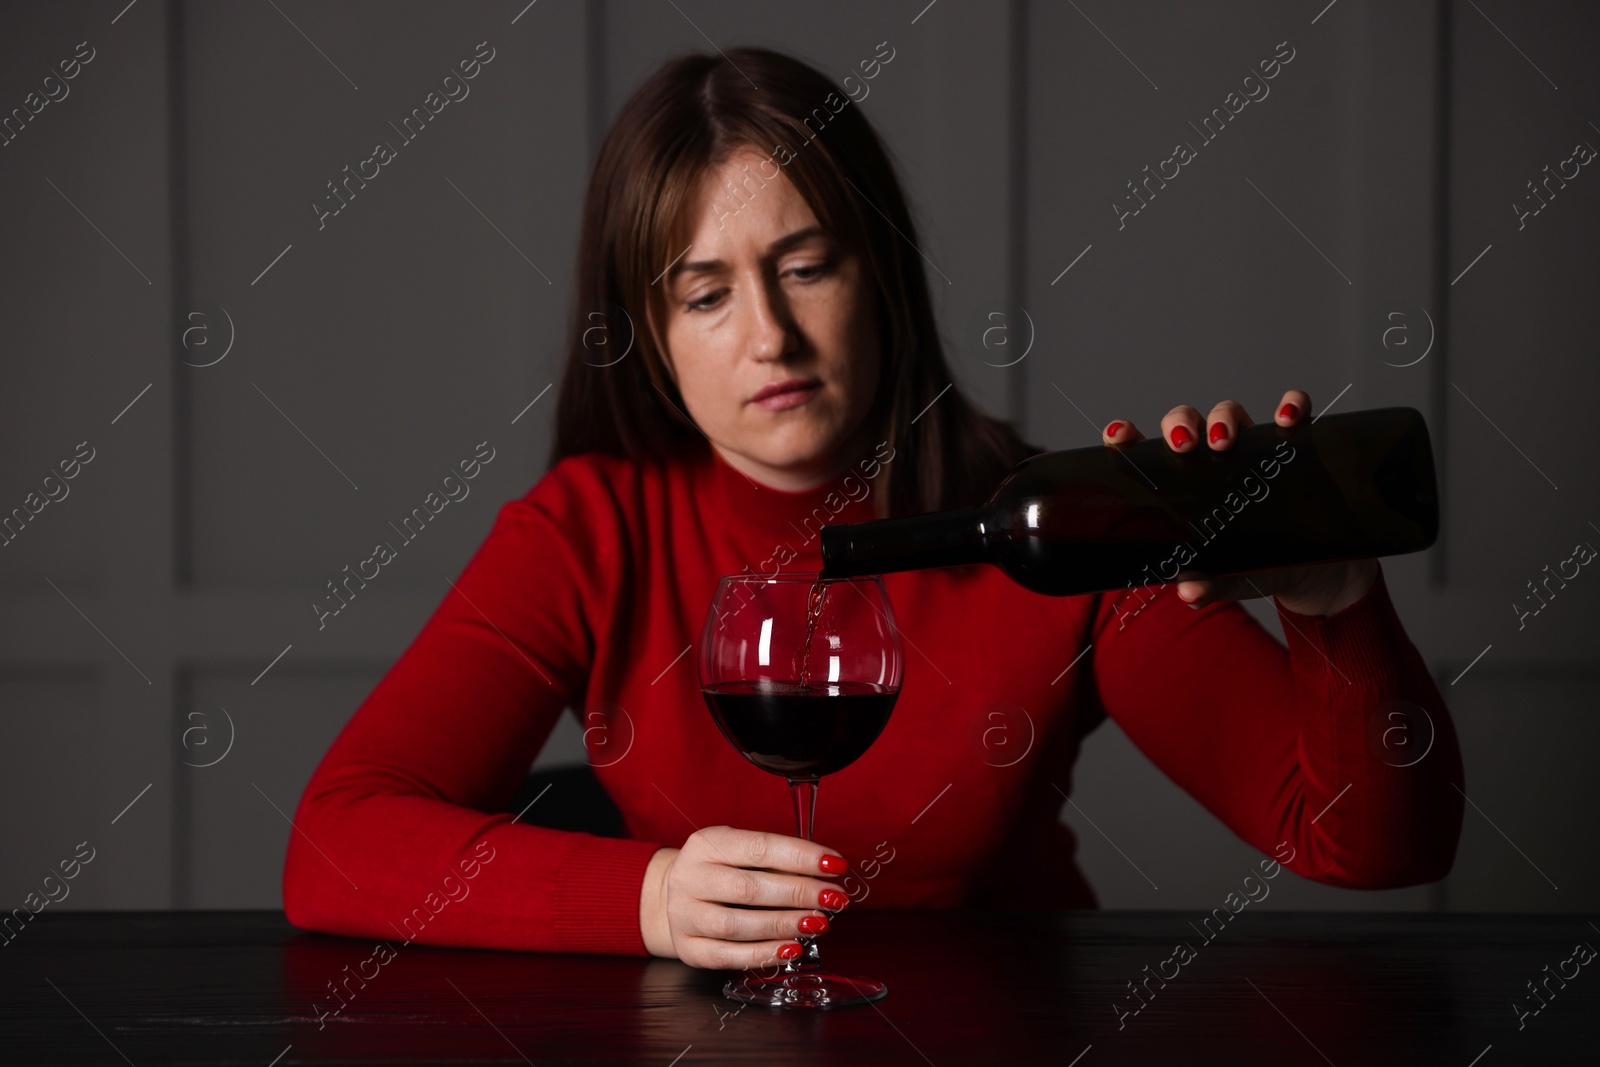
{"x":689,"y":116}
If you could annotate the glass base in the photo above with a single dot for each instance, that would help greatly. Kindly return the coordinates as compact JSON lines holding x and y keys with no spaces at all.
{"x":817,"y":990}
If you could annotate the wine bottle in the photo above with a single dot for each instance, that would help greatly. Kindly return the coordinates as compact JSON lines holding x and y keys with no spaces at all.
{"x":1341,"y":487}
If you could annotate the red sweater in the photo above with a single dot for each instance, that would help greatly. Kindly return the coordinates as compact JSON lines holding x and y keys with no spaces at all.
{"x":589,"y":591}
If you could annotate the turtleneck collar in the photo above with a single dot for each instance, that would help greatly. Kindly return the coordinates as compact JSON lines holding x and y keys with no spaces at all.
{"x":789,"y":518}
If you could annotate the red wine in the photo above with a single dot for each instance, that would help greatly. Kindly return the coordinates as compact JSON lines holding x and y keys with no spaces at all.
{"x":1343,"y":487}
{"x":813,"y":613}
{"x":800,"y":731}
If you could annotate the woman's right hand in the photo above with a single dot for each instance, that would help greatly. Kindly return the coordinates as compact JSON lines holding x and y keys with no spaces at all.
{"x":732,"y":899}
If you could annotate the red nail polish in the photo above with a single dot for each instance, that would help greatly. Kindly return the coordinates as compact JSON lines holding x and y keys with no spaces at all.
{"x":1113,"y":429}
{"x":1218,"y":432}
{"x":789,"y":950}
{"x":834,"y":864}
{"x":813,"y":924}
{"x":1180,"y":436}
{"x":832,"y":899}
{"x":1288,"y":411}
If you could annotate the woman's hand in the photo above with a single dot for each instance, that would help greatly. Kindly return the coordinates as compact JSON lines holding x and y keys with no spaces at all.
{"x":733,"y":899}
{"x":1313,"y":589}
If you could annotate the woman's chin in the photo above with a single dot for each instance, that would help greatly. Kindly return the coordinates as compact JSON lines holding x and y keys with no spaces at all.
{"x":803,"y":463}
{"x":792,"y":447}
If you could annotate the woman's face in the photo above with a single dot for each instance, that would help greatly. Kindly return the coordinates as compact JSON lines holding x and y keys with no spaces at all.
{"x":770,"y":332}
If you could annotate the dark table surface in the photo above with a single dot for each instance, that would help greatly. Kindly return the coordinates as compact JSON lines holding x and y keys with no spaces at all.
{"x":1270,"y":988}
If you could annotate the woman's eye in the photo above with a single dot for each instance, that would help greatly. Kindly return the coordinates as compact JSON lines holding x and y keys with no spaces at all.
{"x":804,"y":274}
{"x":705,"y":303}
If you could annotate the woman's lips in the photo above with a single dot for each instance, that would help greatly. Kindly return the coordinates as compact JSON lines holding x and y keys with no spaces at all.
{"x":786,"y":394}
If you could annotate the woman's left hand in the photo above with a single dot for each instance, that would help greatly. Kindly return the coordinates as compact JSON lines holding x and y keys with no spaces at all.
{"x":1312,"y":589}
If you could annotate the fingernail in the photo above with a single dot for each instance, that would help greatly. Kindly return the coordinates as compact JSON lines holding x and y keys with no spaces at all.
{"x":789,"y":950}
{"x":1288,"y":411}
{"x":813,"y":924}
{"x":1114,"y":428}
{"x":832,"y":899}
{"x":834,"y":864}
{"x":1180,"y":436}
{"x":1218,"y":432}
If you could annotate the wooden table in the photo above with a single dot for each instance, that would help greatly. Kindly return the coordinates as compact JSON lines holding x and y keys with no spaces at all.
{"x":1274,"y":988}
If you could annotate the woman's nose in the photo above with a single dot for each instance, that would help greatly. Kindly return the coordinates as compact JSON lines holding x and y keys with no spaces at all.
{"x":773,"y":335}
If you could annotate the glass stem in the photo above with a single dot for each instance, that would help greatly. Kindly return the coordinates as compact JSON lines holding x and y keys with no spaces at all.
{"x":804,"y":793}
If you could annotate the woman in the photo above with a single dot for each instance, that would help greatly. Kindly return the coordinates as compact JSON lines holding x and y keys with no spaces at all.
{"x":753,"y":354}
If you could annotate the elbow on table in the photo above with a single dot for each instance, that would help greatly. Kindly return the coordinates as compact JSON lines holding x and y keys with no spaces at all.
{"x":1398,"y":868}
{"x":301,"y":892}
{"x":1391,"y":876}
{"x":1414,"y":845}
{"x":311,"y":889}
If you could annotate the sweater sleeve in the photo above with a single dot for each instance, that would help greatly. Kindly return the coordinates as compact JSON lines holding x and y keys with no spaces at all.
{"x":396,"y":836}
{"x":1336,"y":755}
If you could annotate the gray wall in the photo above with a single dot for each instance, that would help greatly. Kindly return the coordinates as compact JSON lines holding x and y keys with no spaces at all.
{"x":137,"y":615}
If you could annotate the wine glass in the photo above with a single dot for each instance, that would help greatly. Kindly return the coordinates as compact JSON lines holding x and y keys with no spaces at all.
{"x":800,"y":675}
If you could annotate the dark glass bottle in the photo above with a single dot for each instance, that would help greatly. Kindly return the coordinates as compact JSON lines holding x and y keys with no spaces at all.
{"x":1346,"y":486}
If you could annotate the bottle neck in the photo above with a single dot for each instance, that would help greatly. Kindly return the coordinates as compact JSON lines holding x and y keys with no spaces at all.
{"x":936,"y":539}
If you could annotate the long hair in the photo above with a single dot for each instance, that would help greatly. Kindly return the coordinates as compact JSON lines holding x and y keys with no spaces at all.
{"x":692,"y":114}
